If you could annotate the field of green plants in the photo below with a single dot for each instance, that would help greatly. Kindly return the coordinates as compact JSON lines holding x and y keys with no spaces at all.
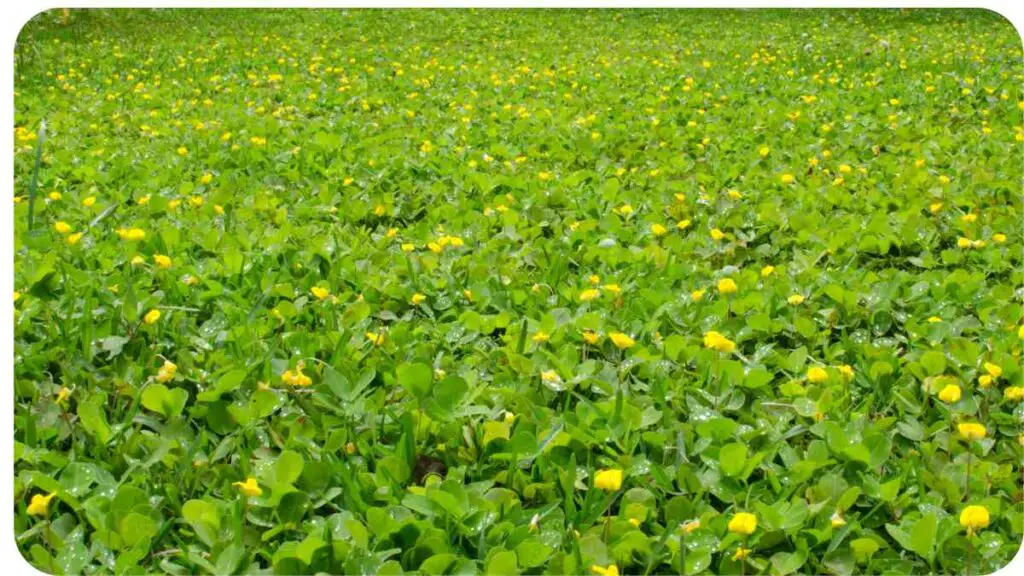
{"x":518,"y":291}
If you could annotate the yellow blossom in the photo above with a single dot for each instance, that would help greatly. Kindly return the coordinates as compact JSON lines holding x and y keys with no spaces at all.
{"x":796,"y":299}
{"x":971,"y":431}
{"x":727,"y":286}
{"x":974,"y":518}
{"x":74,"y":238}
{"x":621,"y":341}
{"x":608,"y":480}
{"x":743,"y":523}
{"x":787,"y":178}
{"x":418,"y":298}
{"x":40,"y":505}
{"x":658,"y":229}
{"x":846,"y":370}
{"x":984,"y":380}
{"x":249,"y":487}
{"x":950,"y":393}
{"x":320,"y":292}
{"x":683,"y":224}
{"x":993,"y":369}
{"x":590,"y":337}
{"x":206,"y":179}
{"x":152,"y":316}
{"x":697,"y":295}
{"x":717,"y":234}
{"x":717,"y":341}
{"x":689,"y":526}
{"x":611,"y":570}
{"x":817,"y":374}
{"x":376,"y":338}
{"x":1013,"y":393}
{"x":541,"y":337}
{"x":741,"y":554}
{"x":162,"y":261}
{"x":837,"y":520}
{"x":62,"y":227}
{"x":767,"y":271}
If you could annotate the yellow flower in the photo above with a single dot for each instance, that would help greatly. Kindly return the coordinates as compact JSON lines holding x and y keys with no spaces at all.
{"x":1020,"y":332}
{"x":999,"y":238}
{"x":683,"y":224}
{"x":787,"y":178}
{"x":17,"y":295}
{"x":764,"y":151}
{"x":658,"y":229}
{"x":934,"y":319}
{"x":950,"y":394}
{"x":743,"y":523}
{"x":376,"y":338}
{"x":40,"y":505}
{"x":173,"y":204}
{"x":550,"y":376}
{"x":1014,"y":393}
{"x":55,"y":195}
{"x":468,"y":294}
{"x":591,"y":337}
{"x":934,"y":207}
{"x":152,"y":316}
{"x":320,"y":292}
{"x":767,"y":271}
{"x":258,"y":141}
{"x":296,"y":377}
{"x":741,"y":554}
{"x":249,"y":487}
{"x":63,"y":394}
{"x":132,"y":234}
{"x":74,"y":238}
{"x":88,"y":202}
{"x":162,"y":261}
{"x":689,"y":526}
{"x":969,"y":218}
{"x":418,"y":298}
{"x":608,"y":480}
{"x":974,"y":518}
{"x":817,"y":374}
{"x":727,"y":286}
{"x":611,"y":570}
{"x":795,"y":299}
{"x":167,"y":371}
{"x":621,"y":341}
{"x":541,"y":337}
{"x":62,"y":227}
{"x":717,"y":234}
{"x":697,"y":295}
{"x":138,"y":260}
{"x":846,"y":370}
{"x":207,"y":178}
{"x":971,"y":431}
{"x":508,"y":417}
{"x":544,"y":176}
{"x":195,"y":201}
{"x":962,"y":242}
{"x":984,"y":380}
{"x":993,"y":369}
{"x":408,"y":247}
{"x":717,"y":341}
{"x":613,"y":288}
{"x":350,"y":448}
{"x":624,"y":210}
{"x":837,"y":520}
{"x":182,"y":151}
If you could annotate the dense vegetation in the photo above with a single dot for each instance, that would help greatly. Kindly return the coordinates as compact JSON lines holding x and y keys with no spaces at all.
{"x":537,"y":291}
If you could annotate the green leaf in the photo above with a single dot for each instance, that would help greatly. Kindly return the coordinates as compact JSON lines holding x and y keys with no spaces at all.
{"x":416,"y":378}
{"x":732,"y":458}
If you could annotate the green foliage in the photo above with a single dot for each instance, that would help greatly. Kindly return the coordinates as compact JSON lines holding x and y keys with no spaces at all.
{"x":389,"y":251}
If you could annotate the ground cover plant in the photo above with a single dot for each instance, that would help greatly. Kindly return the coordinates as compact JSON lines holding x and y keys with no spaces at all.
{"x":518,"y":291}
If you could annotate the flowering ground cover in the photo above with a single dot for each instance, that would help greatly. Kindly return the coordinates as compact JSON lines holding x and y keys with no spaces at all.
{"x":518,"y":291}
